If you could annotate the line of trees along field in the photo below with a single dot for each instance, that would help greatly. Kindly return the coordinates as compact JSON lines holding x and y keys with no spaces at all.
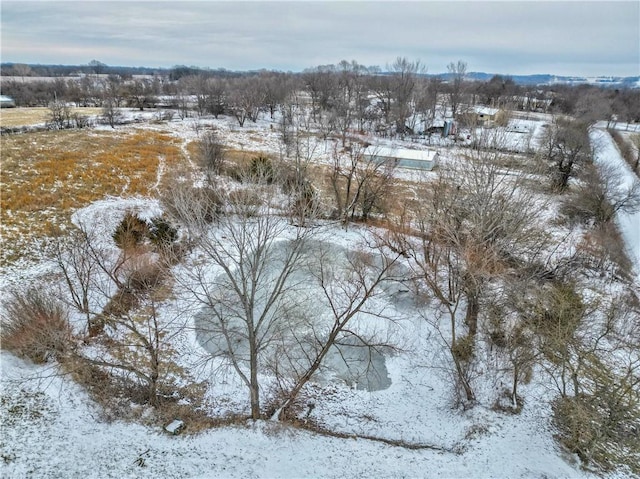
{"x":342,"y":93}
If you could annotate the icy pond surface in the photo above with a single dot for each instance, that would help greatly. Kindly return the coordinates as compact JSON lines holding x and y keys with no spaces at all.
{"x":306,"y":315}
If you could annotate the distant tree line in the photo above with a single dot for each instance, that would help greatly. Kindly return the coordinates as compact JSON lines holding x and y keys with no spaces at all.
{"x":343,"y":96}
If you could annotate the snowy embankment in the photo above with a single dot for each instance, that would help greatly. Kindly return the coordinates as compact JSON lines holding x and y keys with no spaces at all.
{"x":608,"y":155}
{"x":52,"y":429}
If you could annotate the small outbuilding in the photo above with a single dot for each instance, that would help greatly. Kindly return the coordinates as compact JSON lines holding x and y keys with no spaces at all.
{"x":403,"y":157}
{"x":7,"y":102}
{"x":482,"y":116}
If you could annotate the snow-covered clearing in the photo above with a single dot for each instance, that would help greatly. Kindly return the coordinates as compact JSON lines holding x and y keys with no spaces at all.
{"x":51,"y":428}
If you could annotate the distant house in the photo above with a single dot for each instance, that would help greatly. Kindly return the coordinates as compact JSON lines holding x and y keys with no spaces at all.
{"x":403,"y":157}
{"x":6,"y":102}
{"x":481,"y":116}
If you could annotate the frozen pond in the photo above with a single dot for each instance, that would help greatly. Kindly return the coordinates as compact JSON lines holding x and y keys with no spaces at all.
{"x":304,"y":317}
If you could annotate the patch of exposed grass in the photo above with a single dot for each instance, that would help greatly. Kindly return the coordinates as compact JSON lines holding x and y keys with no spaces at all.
{"x":47,"y":175}
{"x":12,"y":117}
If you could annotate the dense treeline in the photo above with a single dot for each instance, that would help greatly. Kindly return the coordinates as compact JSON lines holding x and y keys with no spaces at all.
{"x":403,"y":87}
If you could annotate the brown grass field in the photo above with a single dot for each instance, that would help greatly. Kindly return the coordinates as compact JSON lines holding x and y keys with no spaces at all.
{"x":12,"y":117}
{"x":45,"y":176}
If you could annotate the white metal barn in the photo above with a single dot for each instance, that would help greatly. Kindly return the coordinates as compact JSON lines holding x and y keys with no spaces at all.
{"x":6,"y":102}
{"x":403,"y":157}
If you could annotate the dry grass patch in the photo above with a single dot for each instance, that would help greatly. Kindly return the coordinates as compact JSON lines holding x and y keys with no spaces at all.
{"x":12,"y":117}
{"x":47,"y":175}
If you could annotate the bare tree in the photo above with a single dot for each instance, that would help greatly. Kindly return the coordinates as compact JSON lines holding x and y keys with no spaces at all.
{"x":211,"y":155}
{"x":473,"y":225}
{"x":111,"y":114}
{"x":382,"y":87}
{"x":22,"y":70}
{"x":566,"y":146}
{"x":75,"y":260}
{"x":602,"y":193}
{"x":321,"y":84}
{"x":404,"y":79}
{"x":140,"y":94}
{"x":635,"y":140}
{"x":359,"y":181}
{"x":256,"y":253}
{"x":59,"y":115}
{"x":113,"y":90}
{"x":97,"y":67}
{"x":296,"y":177}
{"x":275,"y":87}
{"x":217,"y":90}
{"x":593,"y":106}
{"x":245,"y":99}
{"x":426,"y":102}
{"x":349,"y":286}
{"x":457,"y":72}
{"x":588,"y":348}
{"x":118,"y":291}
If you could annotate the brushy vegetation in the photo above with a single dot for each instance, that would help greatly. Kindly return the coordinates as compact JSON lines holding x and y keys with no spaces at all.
{"x":631,"y":156}
{"x":602,"y":427}
{"x":35,"y":326}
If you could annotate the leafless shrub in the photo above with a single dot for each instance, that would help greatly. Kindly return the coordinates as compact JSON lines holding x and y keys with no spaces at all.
{"x":211,"y":154}
{"x":59,"y":116}
{"x":80,"y":121}
{"x":145,"y":273}
{"x":111,"y":114}
{"x":602,"y":251}
{"x":245,"y":201}
{"x":629,"y":153}
{"x":602,"y":427}
{"x":184,"y":203}
{"x":600,"y":196}
{"x":35,"y":326}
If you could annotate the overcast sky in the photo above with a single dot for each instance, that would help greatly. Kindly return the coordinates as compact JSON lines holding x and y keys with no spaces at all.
{"x":563,"y":38}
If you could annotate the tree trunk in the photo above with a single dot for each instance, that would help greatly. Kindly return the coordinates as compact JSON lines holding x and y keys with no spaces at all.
{"x":463,"y":381}
{"x":254,"y":387}
{"x":284,"y":411}
{"x":471,"y":317}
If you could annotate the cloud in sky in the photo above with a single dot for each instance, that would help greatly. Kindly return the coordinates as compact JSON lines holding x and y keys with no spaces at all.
{"x":514,"y":37}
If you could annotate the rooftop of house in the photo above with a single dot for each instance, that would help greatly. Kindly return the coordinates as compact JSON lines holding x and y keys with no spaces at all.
{"x":401,"y":153}
{"x":485,"y":110}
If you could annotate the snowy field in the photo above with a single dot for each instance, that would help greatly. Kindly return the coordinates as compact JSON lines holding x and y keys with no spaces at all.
{"x":52,"y":429}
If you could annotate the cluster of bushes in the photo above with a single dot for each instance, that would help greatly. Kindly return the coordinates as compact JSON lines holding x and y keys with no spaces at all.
{"x":133,"y":232}
{"x":62,"y":117}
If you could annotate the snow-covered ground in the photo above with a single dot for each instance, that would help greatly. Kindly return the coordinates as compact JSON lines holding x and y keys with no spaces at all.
{"x":51,"y":428}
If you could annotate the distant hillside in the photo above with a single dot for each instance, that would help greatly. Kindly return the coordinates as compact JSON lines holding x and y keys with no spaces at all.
{"x":548,"y":79}
{"x":181,"y":70}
